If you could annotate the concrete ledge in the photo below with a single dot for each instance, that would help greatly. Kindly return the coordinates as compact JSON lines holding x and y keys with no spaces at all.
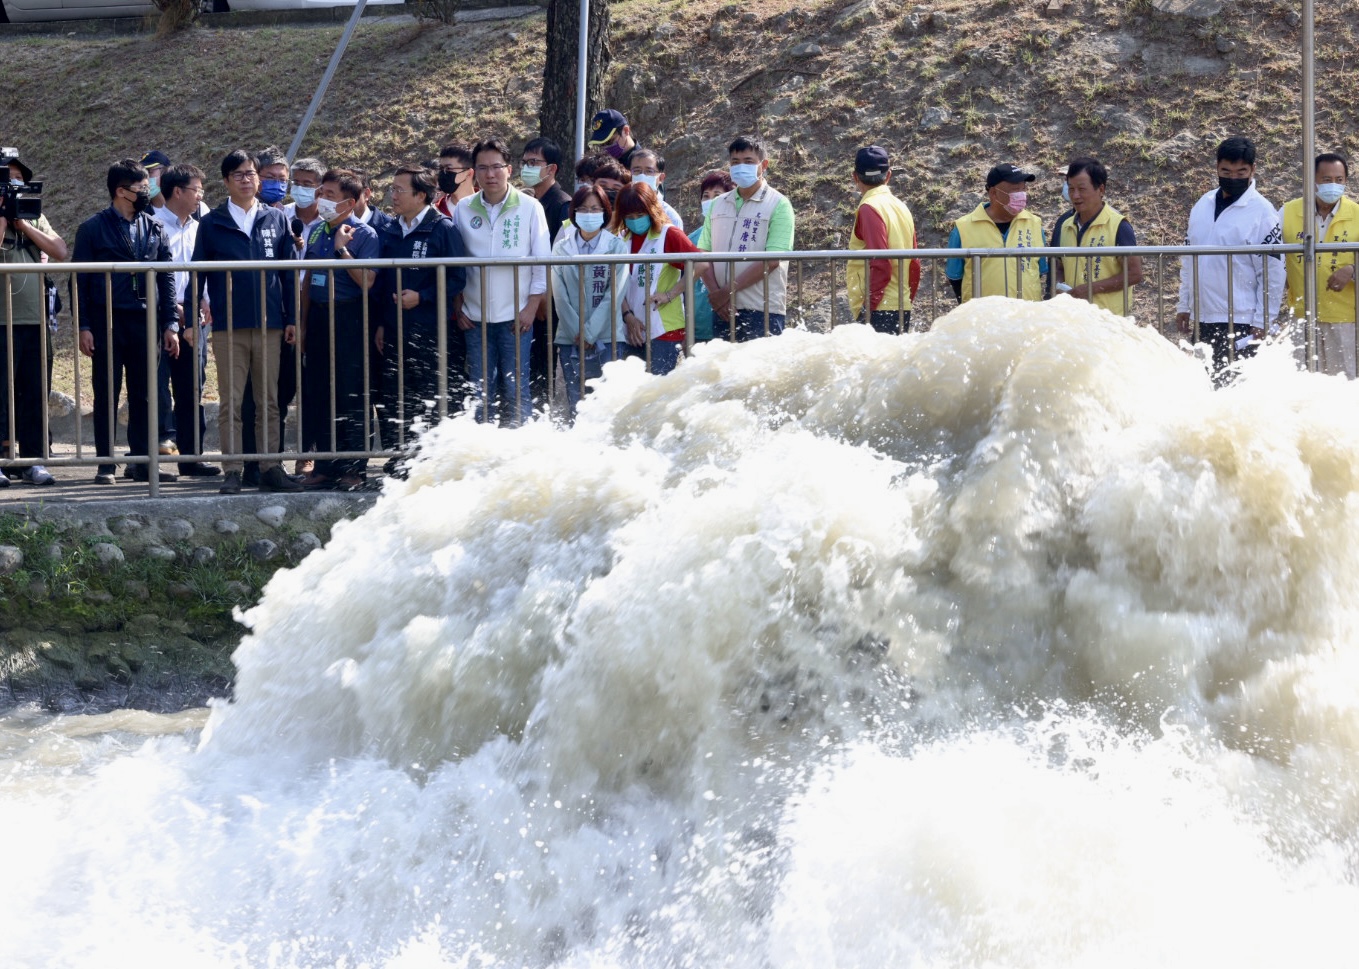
{"x":474,"y":11}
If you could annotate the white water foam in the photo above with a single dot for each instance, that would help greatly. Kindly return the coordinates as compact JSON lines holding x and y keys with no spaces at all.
{"x":1009,"y":644}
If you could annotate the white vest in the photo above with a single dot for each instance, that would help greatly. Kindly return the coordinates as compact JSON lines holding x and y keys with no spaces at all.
{"x":747,"y":231}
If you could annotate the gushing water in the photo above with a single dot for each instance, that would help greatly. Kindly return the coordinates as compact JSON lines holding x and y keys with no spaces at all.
{"x":1010,"y":644}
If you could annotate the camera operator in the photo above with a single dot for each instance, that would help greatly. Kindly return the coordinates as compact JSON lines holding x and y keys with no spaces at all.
{"x":123,"y":232}
{"x":24,"y":241}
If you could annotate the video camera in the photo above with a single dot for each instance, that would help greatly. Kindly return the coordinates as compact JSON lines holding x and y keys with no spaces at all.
{"x":18,"y":201}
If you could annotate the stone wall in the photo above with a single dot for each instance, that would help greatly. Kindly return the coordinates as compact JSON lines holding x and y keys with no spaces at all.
{"x":131,"y":603}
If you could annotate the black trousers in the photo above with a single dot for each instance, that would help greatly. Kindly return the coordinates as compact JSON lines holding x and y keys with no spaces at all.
{"x":345,"y":431}
{"x":27,"y":388}
{"x":412,"y":379}
{"x":1222,"y":336}
{"x":122,"y":352}
{"x":885,"y":321}
{"x":187,"y":409}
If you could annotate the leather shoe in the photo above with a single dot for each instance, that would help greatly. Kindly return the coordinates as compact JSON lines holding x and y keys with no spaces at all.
{"x":231,"y":484}
{"x":351,"y":482}
{"x":140,"y":473}
{"x":275,"y":480}
{"x":106,"y":474}
{"x":197,"y":469}
{"x":317,"y":482}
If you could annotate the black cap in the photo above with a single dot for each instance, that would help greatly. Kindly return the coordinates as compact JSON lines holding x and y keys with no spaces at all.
{"x":10,"y":156}
{"x":153,"y":158}
{"x":1007,"y":173}
{"x":605,"y":125}
{"x":872,"y":161}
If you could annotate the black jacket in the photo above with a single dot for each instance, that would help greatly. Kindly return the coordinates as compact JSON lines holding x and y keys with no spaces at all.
{"x":101,"y":238}
{"x":434,"y":237}
{"x":221,"y":240}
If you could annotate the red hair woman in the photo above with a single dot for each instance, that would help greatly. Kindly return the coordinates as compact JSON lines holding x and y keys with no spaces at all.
{"x":653,"y":302}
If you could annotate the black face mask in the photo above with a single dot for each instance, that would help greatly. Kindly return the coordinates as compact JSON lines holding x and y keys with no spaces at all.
{"x":142,"y":202}
{"x":1233,"y":188}
{"x":448,"y":182}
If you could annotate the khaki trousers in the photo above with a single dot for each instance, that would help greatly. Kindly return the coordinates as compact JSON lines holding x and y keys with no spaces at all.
{"x":1335,"y":348}
{"x":239,"y":353}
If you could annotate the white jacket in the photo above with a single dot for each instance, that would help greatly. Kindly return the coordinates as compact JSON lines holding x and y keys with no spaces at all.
{"x":517,"y":230}
{"x":601,"y":325}
{"x":1249,"y":221}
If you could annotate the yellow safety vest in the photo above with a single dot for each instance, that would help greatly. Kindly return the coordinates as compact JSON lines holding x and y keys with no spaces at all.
{"x":1102,"y":231}
{"x":1332,"y":307}
{"x":1002,"y":277}
{"x":896,"y":215}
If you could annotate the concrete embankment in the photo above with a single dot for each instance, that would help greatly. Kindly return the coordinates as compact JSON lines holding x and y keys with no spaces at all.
{"x":131,"y":602}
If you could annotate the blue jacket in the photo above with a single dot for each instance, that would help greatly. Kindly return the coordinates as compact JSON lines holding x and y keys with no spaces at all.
{"x":434,"y":237}
{"x":101,"y":238}
{"x":221,"y":240}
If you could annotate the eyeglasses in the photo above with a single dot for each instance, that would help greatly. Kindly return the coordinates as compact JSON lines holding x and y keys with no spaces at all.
{"x":398,"y":190}
{"x":490,"y":169}
{"x":244,"y":176}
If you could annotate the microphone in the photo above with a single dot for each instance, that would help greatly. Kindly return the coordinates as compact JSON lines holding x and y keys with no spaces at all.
{"x":298,"y":227}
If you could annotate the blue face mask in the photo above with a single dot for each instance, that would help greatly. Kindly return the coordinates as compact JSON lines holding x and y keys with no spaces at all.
{"x":638,"y":224}
{"x":154,"y":186}
{"x":303,"y":196}
{"x":745,"y":175}
{"x":1330,"y":193}
{"x":272,"y":190}
{"x":589,"y":221}
{"x":1066,"y":193}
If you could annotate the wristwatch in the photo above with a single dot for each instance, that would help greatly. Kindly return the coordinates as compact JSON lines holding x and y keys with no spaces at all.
{"x":342,"y":252}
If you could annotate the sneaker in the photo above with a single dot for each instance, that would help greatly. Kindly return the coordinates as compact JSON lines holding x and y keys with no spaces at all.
{"x":231,"y":484}
{"x":197,"y":469}
{"x":168,"y":446}
{"x":273,"y":479}
{"x":38,"y":475}
{"x":106,"y":475}
{"x":4,"y":480}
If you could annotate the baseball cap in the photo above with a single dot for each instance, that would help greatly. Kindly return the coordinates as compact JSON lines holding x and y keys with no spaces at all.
{"x":10,"y":156}
{"x":605,"y":125}
{"x":153,"y":158}
{"x":871,"y":161}
{"x":1007,"y":173}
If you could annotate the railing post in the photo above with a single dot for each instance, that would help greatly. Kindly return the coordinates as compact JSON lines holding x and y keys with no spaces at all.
{"x":152,"y":398}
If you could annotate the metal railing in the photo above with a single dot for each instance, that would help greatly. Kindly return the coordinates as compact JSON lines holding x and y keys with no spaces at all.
{"x":815,"y":297}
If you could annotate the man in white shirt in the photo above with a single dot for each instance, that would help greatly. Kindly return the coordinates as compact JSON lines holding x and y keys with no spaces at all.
{"x":500,"y":222}
{"x":182,"y":189}
{"x":1233,"y":317}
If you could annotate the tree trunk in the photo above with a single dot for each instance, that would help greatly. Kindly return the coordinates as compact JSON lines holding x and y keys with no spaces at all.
{"x":557,"y":116}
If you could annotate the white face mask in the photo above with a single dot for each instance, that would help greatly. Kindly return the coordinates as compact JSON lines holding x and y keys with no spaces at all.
{"x":589,"y":221}
{"x":1330,"y":193}
{"x":303,"y":196}
{"x":1066,"y":193}
{"x":745,"y":175}
{"x":707,"y":206}
{"x":327,"y":209}
{"x":652,"y":180}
